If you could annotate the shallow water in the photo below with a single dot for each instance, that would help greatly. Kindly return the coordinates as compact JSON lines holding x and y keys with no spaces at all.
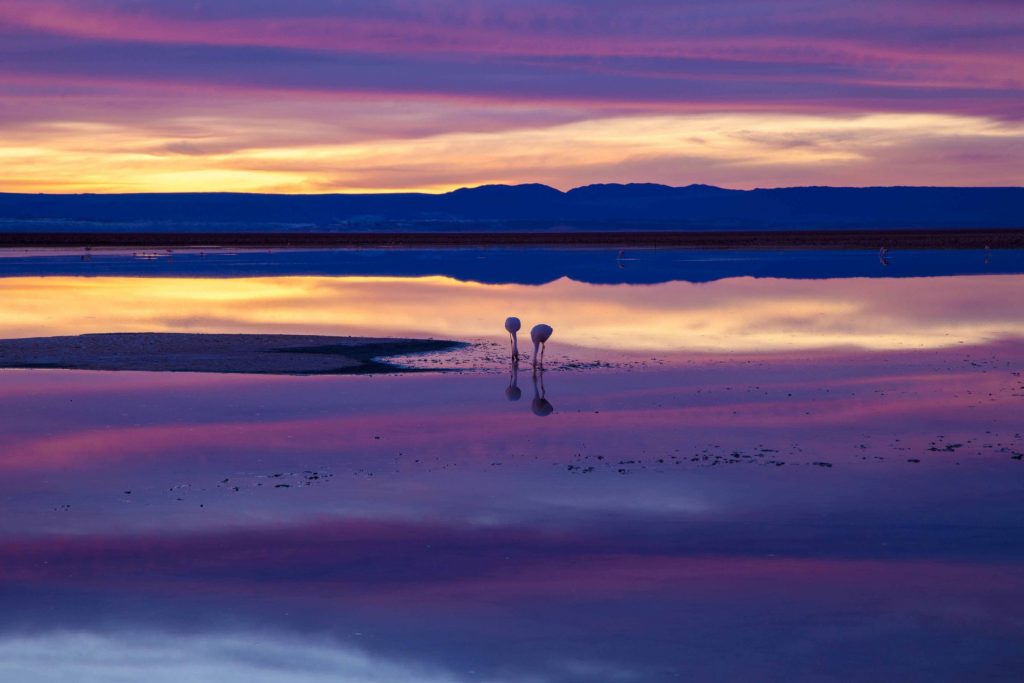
{"x":745,"y":479}
{"x":513,"y":265}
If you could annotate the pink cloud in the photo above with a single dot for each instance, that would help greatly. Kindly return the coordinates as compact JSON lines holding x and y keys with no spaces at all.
{"x":830,"y":44}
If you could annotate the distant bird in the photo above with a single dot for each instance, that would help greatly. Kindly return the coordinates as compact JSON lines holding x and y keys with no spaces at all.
{"x":540,"y":335}
{"x":512,"y":325}
{"x":883,"y":256}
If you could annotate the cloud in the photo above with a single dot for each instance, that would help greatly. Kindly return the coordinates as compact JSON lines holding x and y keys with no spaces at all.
{"x":374,"y":146}
{"x":156,"y":657}
{"x":757,"y":54}
{"x":193,"y":83}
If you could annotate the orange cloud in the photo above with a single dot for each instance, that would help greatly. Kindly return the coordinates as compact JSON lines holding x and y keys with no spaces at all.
{"x":276,"y":151}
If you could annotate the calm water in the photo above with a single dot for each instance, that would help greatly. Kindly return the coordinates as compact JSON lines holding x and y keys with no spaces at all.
{"x":757,"y":473}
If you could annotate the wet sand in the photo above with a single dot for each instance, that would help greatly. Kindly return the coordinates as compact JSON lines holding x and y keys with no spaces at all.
{"x":1011,"y":238}
{"x":228,"y":353}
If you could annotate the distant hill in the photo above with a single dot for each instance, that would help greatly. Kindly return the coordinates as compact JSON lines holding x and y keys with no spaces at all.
{"x":525,"y":207}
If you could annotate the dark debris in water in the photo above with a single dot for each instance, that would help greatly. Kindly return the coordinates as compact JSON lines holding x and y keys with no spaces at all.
{"x":491,"y":357}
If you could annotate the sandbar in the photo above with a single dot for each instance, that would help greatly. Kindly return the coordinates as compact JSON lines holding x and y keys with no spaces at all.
{"x":284,"y":354}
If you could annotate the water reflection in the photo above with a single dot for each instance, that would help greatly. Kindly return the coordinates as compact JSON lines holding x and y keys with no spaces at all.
{"x":166,"y":436}
{"x":499,"y":265}
{"x":741,"y":314}
{"x":512,"y":391}
{"x":540,"y":405}
{"x":647,"y":534}
{"x":725,"y":516}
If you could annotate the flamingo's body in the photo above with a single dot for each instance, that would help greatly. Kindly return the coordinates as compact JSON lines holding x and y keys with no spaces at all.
{"x":540,"y":335}
{"x":512,"y":325}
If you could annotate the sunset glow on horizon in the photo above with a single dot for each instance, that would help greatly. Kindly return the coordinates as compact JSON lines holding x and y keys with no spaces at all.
{"x":322,"y":96}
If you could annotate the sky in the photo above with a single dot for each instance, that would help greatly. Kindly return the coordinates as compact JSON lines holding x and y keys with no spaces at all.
{"x":312,"y":96}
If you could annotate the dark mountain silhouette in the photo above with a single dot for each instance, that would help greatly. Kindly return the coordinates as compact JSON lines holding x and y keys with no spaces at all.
{"x":505,"y":265}
{"x":526,"y":207}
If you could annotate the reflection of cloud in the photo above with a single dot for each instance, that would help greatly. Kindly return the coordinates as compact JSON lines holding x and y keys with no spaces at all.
{"x":437,"y":429}
{"x":737,"y":314}
{"x":176,"y":657}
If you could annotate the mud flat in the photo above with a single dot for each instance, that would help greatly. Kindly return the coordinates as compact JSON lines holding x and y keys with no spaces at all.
{"x":228,"y":353}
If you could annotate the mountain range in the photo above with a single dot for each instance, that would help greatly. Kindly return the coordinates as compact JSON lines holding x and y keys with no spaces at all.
{"x":525,"y":207}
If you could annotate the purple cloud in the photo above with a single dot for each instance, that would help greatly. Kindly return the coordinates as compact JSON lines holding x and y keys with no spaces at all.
{"x":170,"y":77}
{"x":832,"y":56}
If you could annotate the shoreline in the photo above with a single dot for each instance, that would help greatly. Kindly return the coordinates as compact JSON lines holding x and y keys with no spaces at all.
{"x":1004,"y":238}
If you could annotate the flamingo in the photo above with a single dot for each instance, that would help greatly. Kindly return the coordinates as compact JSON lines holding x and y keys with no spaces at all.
{"x":512,"y":326}
{"x":540,"y":335}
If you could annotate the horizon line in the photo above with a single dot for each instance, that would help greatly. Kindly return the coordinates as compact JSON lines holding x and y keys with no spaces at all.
{"x":516,"y":185}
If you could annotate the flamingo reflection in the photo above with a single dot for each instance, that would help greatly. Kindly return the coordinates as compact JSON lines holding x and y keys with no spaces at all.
{"x":512,"y":391}
{"x":540,"y":406}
